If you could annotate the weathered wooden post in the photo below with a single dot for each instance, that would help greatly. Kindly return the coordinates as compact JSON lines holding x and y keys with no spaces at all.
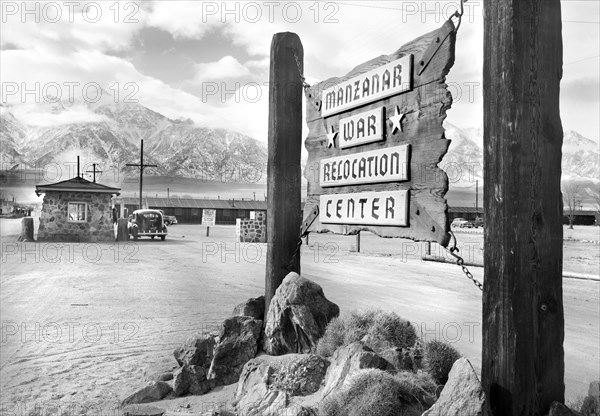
{"x":208,"y":230}
{"x":358,"y":242}
{"x":27,"y":229}
{"x":122,"y":232}
{"x":523,"y":321}
{"x":283,"y":170}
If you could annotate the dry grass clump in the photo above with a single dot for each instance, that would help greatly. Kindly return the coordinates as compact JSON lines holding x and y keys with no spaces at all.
{"x":353,"y":327}
{"x":438,"y":358}
{"x":376,"y":393}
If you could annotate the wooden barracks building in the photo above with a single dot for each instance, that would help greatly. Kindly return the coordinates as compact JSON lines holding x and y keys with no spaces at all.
{"x":189,"y":210}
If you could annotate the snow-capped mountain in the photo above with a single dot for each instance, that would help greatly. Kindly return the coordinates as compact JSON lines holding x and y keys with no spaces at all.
{"x":580,"y":157}
{"x":109,"y":134}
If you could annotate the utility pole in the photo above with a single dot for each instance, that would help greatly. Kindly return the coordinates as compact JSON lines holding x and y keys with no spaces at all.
{"x":523,"y":318}
{"x":94,"y":171}
{"x":476,"y":197}
{"x":141,"y":166}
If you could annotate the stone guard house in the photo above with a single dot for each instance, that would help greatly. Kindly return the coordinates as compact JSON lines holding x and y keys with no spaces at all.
{"x":76,"y":210}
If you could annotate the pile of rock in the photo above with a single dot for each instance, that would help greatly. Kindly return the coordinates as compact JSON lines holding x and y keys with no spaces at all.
{"x":277,"y":370}
{"x":297,"y":318}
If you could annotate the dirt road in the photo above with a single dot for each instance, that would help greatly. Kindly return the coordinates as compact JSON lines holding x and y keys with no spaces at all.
{"x":81,"y":322}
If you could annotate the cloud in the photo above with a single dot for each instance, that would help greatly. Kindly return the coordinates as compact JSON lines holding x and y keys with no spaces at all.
{"x":183,"y":19}
{"x":35,"y":115}
{"x":225,"y":68}
{"x":68,"y":26}
{"x":337,"y":36}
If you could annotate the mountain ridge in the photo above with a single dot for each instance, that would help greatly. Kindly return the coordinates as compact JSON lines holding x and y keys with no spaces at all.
{"x":180,"y":148}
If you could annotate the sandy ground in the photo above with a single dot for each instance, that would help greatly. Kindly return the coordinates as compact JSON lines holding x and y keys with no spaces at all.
{"x":80,"y":323}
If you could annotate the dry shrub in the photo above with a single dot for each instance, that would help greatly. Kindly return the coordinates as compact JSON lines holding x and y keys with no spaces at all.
{"x":438,"y":360}
{"x":374,"y":392}
{"x":345,"y":330}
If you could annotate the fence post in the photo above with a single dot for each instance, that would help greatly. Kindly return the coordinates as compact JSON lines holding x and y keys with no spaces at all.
{"x":27,"y":229}
{"x":283,"y":169}
{"x":122,"y":231}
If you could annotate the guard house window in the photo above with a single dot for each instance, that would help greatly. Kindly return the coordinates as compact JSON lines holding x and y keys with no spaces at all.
{"x":77,"y":212}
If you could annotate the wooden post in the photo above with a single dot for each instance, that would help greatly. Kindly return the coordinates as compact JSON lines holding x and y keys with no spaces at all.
{"x":283,"y":170}
{"x":27,"y":229}
{"x":207,"y":230}
{"x":358,"y":242}
{"x":122,"y":232}
{"x":523,"y":319}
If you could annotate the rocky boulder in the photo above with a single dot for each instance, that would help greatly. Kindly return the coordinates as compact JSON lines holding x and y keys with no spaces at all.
{"x":142,"y":410}
{"x":254,"y":307}
{"x":161,"y":370}
{"x":238,"y":343}
{"x":591,"y":404}
{"x":297,"y":317}
{"x":399,"y":358}
{"x":261,"y":401}
{"x":268,"y":384}
{"x":191,"y":379}
{"x":346,"y":361}
{"x":559,"y":409}
{"x":153,"y":392}
{"x":301,"y":376}
{"x":462,"y":395}
{"x":196,"y":350}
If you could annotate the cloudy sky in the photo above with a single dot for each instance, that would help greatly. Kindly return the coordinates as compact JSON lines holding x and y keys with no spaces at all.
{"x":209,"y":61}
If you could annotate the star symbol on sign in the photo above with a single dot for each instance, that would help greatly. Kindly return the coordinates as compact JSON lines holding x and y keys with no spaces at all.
{"x":397,"y":120}
{"x":330,"y":137}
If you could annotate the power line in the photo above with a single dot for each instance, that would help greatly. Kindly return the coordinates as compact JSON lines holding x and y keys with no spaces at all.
{"x":403,"y":9}
{"x":581,"y":21}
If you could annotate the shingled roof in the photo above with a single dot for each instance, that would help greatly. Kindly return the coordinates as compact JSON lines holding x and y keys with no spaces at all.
{"x":76,"y":184}
{"x":199,"y":203}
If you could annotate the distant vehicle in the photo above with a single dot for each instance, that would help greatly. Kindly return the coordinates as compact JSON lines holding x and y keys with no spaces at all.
{"x":478,"y":222}
{"x":460,"y":223}
{"x":147,"y":223}
{"x":169,"y":219}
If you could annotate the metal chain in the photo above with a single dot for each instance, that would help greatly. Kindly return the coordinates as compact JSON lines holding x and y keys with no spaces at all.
{"x":295,"y":255}
{"x":459,"y":15}
{"x":461,"y":262}
{"x":305,"y":85}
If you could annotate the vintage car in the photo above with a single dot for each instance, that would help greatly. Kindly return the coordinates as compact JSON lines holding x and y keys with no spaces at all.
{"x":461,"y":223}
{"x":147,"y":223}
{"x":168,"y":219}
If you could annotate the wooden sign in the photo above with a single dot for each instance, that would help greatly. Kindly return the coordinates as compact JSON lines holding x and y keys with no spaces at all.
{"x":362,"y":128}
{"x":385,"y":80}
{"x":382,"y":165}
{"x":375,"y":142}
{"x":209,"y":217}
{"x":375,"y":208}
